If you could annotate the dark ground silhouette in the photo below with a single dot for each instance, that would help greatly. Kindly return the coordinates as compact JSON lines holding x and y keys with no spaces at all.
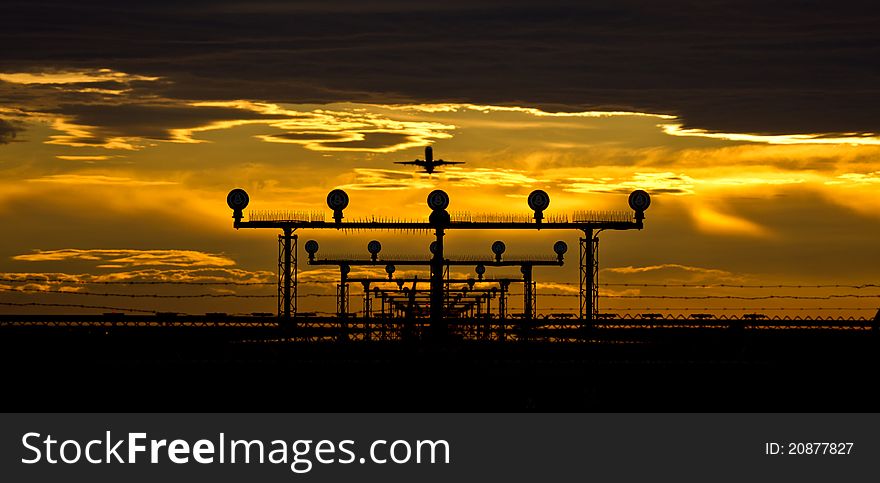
{"x":155,"y":368}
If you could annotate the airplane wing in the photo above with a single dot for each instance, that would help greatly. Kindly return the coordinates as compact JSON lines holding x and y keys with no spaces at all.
{"x":415,"y":163}
{"x":440,"y":161}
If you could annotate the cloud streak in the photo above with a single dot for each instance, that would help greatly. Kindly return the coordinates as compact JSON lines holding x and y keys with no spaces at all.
{"x":98,"y":76}
{"x":96,"y":179}
{"x":129,"y":258}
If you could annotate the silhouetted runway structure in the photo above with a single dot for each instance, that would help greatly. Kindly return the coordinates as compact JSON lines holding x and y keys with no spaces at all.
{"x":439,"y":222}
{"x":440,"y":345}
{"x":498,"y":248}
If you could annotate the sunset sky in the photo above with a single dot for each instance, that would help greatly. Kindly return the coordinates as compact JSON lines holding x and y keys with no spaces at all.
{"x":754,"y":127}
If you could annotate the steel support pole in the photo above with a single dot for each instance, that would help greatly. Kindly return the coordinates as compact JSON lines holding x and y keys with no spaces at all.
{"x":279,"y":279}
{"x":342,"y":293}
{"x":528,"y":302}
{"x":488,"y":306}
{"x":368,"y":309}
{"x":368,"y":303}
{"x":342,"y":304}
{"x":502,"y":310}
{"x":586,"y":267}
{"x":594,"y":278}
{"x":294,"y":251}
{"x":528,"y":293}
{"x":502,"y":300}
{"x":437,"y":266}
{"x":287,"y":279}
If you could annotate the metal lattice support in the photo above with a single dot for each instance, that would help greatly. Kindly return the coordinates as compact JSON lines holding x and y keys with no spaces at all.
{"x":588,"y":293}
{"x":368,"y":301}
{"x":368,"y":310}
{"x":280,"y":277}
{"x":438,"y":326}
{"x":287,"y":274}
{"x":295,"y":282}
{"x":584,"y":309}
{"x":534,"y":299}
{"x":342,"y":299}
{"x":595,"y":277}
{"x":447,"y":302}
{"x":528,"y":293}
{"x":502,"y":301}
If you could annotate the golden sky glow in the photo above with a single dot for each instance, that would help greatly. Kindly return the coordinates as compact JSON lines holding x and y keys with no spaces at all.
{"x":111,"y":183}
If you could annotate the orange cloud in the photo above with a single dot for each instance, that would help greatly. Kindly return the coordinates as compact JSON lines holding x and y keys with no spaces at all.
{"x":128,"y":257}
{"x":97,"y":179}
{"x":852,"y":138}
{"x":72,"y":77}
{"x":713,"y":221}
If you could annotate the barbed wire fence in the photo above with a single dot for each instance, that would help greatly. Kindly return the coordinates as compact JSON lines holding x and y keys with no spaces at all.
{"x":670,"y":311}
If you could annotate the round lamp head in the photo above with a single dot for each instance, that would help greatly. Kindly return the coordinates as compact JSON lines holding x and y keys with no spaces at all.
{"x":311,"y":247}
{"x":389,"y":269}
{"x":237,"y":199}
{"x":539,"y":200}
{"x":480,"y":269}
{"x":337,"y":200}
{"x":374,"y":247}
{"x":498,"y":247}
{"x":639,"y":200}
{"x":438,"y":200}
{"x":560,"y":247}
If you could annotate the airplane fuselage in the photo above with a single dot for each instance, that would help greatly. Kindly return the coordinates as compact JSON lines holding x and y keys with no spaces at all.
{"x":429,"y":163}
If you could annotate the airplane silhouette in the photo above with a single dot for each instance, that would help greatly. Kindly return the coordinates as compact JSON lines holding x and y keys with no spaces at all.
{"x":429,"y":163}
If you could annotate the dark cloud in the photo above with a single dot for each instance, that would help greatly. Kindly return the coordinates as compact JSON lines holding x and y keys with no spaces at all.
{"x":8,"y":131}
{"x":108,"y":85}
{"x":752,"y":66}
{"x":309,"y":136}
{"x":150,"y":121}
{"x":372,"y":140}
